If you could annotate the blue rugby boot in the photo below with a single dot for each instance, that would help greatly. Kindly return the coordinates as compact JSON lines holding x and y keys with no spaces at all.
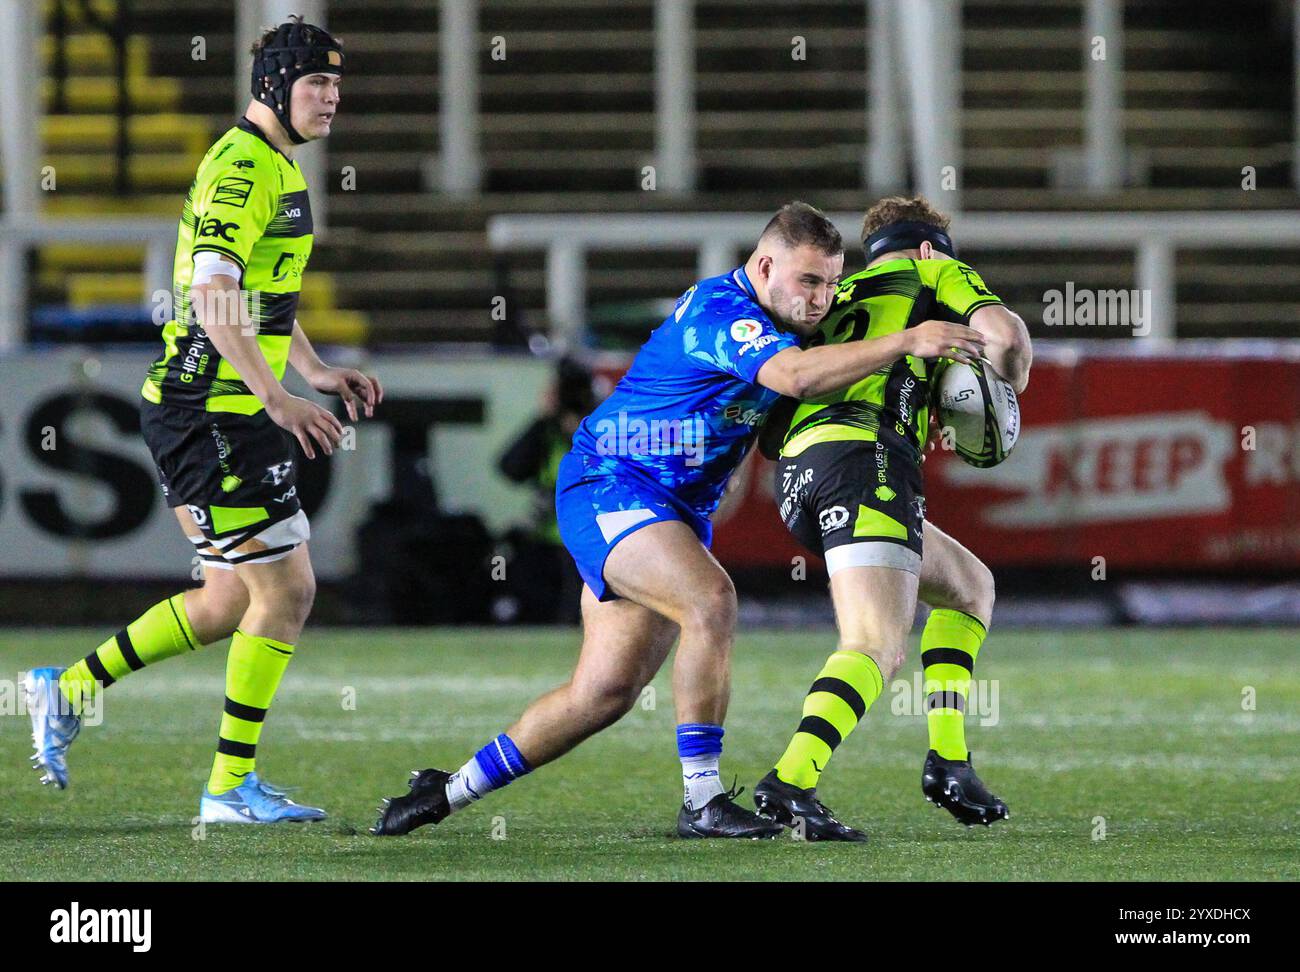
{"x":254,"y":802}
{"x":54,"y":725}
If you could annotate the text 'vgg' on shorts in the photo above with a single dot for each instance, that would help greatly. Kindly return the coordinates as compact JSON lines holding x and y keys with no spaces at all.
{"x":856,"y":503}
{"x":236,"y":473}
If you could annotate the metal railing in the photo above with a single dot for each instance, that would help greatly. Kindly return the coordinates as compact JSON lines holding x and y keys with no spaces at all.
{"x":18,"y":234}
{"x":717,"y":238}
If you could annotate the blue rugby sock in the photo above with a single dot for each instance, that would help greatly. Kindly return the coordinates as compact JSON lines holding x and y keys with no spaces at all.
{"x":492,"y":767}
{"x":699,"y":746}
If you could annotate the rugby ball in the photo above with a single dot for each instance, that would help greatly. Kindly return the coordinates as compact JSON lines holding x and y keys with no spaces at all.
{"x":980,"y":409}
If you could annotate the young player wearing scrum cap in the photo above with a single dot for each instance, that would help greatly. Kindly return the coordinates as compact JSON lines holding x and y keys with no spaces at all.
{"x":221,"y":429}
{"x":849,"y":482}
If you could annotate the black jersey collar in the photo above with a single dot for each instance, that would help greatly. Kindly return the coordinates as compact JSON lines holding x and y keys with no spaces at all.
{"x":244,"y":125}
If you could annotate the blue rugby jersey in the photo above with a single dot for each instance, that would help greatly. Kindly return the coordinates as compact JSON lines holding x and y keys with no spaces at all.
{"x":688,"y":409}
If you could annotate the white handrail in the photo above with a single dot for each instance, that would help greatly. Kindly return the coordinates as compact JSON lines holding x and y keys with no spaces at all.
{"x":18,"y":233}
{"x":1154,"y":238}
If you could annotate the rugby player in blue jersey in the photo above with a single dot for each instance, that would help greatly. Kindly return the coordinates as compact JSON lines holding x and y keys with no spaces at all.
{"x":634,"y":498}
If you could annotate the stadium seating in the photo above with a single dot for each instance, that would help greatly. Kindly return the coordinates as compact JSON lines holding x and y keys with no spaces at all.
{"x":568,"y":122}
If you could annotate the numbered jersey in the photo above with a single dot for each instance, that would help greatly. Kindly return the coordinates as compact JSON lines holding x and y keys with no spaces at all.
{"x":248,"y":205}
{"x":882,"y":300}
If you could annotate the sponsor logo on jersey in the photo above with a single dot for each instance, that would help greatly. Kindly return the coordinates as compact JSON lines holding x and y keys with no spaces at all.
{"x":292,"y":213}
{"x":297,"y":263}
{"x":745,"y":329}
{"x":215,"y":227}
{"x":905,"y":399}
{"x":757,"y":343}
{"x":832,"y":518}
{"x":293,"y":491}
{"x":737,"y":412}
{"x":232,"y":191}
{"x":244,"y":163}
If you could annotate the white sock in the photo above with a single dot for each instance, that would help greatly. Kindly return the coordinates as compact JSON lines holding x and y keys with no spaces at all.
{"x":467,"y":784}
{"x":700,"y":780}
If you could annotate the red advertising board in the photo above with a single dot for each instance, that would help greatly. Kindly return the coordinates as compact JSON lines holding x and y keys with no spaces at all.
{"x":1183,"y":459}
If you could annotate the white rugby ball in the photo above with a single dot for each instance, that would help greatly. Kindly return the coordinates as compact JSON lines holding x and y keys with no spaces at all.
{"x":981,"y":409}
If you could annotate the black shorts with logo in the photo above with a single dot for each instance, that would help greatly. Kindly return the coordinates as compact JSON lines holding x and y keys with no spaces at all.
{"x":233,"y":471}
{"x":865,"y":494}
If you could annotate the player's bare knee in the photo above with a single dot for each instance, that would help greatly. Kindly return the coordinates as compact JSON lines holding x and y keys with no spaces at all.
{"x":712,"y":611}
{"x":607,"y":700}
{"x":289,"y":597}
{"x":887,"y":661}
{"x":978,"y":593}
{"x":214,"y":610}
{"x":300,"y":595}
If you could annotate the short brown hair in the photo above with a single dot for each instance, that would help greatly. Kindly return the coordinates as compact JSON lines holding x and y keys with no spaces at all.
{"x":798,"y":224}
{"x":893,"y":209}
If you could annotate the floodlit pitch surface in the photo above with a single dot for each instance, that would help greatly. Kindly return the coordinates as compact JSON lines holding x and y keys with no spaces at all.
{"x":1123,"y":754}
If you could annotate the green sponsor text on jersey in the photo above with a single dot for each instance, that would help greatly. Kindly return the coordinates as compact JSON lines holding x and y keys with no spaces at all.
{"x":882,"y":300}
{"x":249,"y":204}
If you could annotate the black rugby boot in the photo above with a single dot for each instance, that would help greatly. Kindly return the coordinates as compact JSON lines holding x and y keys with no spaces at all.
{"x":953,"y":785}
{"x":787,"y":804}
{"x":425,"y":804}
{"x":723,"y":817}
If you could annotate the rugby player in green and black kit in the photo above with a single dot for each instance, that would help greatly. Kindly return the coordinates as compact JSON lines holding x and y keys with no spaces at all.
{"x":221,"y":429}
{"x":849,"y":483}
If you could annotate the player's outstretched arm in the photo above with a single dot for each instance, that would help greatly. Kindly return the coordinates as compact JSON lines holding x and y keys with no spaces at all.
{"x":818,"y":371}
{"x":1007,"y":347}
{"x":219,"y":306}
{"x":349,"y":384}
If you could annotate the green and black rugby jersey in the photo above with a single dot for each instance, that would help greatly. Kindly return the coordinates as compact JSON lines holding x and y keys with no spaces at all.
{"x":882,"y":300}
{"x":249,"y":204}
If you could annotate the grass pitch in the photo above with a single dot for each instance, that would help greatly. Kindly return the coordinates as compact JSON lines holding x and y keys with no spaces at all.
{"x":1123,"y":754}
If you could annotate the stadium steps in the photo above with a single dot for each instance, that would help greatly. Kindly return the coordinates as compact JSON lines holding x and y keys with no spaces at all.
{"x":80,"y":142}
{"x":91,"y":132}
{"x":568,"y":122}
{"x":101,"y":94}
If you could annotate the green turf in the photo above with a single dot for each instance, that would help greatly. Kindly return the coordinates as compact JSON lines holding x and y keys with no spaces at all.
{"x":1143,"y":728}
